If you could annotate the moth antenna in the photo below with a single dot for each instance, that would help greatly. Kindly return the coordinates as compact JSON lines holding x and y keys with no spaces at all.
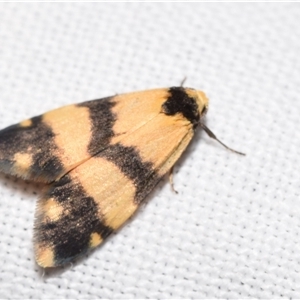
{"x":183,"y":81}
{"x":212,"y":135}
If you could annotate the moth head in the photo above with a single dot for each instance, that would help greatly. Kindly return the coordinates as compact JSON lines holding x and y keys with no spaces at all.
{"x":201,"y":100}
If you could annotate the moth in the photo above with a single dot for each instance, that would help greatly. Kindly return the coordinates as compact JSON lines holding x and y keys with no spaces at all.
{"x":99,"y":159}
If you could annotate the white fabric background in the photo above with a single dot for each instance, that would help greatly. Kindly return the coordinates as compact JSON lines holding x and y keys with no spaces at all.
{"x":233,"y":230}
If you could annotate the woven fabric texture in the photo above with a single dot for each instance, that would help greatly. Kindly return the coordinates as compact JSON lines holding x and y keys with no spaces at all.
{"x":233,"y":229}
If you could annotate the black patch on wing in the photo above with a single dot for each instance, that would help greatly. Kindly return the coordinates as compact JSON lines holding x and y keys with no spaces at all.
{"x":70,"y":235}
{"x":128,"y":160}
{"x":180,"y":102}
{"x":36,"y":140}
{"x":103,"y":120}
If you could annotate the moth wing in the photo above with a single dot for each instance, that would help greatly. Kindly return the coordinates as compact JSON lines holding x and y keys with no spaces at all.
{"x":47,"y":146}
{"x":83,"y":207}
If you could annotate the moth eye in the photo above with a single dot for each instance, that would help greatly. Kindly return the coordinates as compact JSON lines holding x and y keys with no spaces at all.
{"x":204,"y":111}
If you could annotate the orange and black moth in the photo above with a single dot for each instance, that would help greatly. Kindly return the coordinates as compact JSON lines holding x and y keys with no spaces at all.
{"x":99,"y":159}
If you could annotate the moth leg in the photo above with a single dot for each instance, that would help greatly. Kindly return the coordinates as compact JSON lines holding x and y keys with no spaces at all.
{"x":171,"y":180}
